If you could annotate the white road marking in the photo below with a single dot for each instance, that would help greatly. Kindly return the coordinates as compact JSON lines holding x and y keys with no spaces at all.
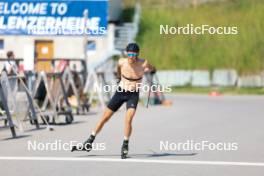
{"x":129,"y":160}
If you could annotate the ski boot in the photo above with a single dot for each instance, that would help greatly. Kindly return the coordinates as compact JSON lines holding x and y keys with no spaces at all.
{"x":87,"y":145}
{"x":124,"y":150}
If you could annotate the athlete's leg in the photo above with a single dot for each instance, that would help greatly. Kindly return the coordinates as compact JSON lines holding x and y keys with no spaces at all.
{"x":113,"y":106}
{"x":87,"y":145}
{"x":127,"y":131}
{"x":106,"y":116}
{"x":115,"y":103}
{"x":128,"y":122}
{"x":131,"y":111}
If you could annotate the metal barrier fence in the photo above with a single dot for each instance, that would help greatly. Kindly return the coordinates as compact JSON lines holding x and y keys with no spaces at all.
{"x":28,"y":96}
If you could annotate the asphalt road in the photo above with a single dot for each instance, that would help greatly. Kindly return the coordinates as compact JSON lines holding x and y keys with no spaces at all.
{"x":156,"y":145}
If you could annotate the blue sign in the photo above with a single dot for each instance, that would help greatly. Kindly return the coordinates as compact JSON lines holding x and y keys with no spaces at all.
{"x":53,"y":17}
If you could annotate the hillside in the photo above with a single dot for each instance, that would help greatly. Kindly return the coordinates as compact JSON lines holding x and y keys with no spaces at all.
{"x":244,"y":52}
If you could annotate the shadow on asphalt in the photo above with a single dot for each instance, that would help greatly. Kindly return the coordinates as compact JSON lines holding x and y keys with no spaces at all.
{"x":18,"y":137}
{"x":154,"y":155}
{"x":35,"y":129}
{"x":64,"y":124}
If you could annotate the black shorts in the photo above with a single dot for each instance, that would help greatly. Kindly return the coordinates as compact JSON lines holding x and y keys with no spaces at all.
{"x":121,"y":96}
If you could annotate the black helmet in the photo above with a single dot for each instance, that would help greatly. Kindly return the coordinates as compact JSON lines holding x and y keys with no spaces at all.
{"x":132,"y":47}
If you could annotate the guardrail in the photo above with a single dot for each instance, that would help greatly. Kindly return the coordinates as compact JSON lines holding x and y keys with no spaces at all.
{"x":205,"y":78}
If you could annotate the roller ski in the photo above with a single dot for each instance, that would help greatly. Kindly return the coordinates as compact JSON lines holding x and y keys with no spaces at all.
{"x":87,"y":145}
{"x":124,"y":150}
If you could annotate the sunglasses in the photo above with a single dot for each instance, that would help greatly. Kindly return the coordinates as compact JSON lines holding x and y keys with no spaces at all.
{"x":132,"y":54}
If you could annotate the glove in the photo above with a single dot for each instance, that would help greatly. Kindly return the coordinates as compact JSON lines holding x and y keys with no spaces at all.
{"x":153,"y":71}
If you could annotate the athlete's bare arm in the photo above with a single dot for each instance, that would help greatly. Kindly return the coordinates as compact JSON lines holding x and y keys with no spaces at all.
{"x":119,"y":64}
{"x":118,"y":71}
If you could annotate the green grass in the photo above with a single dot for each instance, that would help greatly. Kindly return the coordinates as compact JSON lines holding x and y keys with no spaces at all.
{"x":243,"y":52}
{"x":223,"y":90}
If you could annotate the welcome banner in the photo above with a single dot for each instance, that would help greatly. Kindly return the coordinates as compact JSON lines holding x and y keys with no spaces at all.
{"x":53,"y":17}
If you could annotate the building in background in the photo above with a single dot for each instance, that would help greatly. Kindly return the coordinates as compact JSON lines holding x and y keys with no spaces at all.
{"x":50,"y":29}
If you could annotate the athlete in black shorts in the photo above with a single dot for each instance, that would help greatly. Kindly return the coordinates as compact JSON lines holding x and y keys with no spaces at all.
{"x":130,"y":70}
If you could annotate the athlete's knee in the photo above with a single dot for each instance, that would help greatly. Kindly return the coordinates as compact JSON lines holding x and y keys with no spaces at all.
{"x":129,"y":119}
{"x":128,"y":123}
{"x":107,"y":115}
